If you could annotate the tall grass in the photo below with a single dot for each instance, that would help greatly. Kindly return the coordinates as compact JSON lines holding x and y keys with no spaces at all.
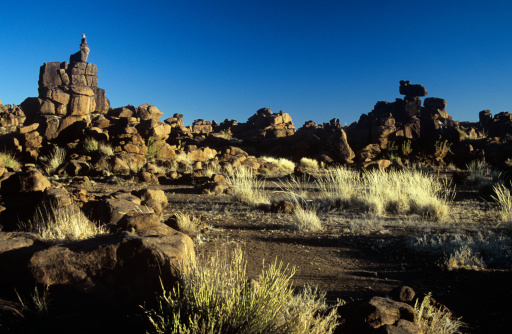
{"x":503,"y":199}
{"x":379,"y":192}
{"x":61,"y":224}
{"x":217,"y":297}
{"x":482,"y":175}
{"x":246,"y":188}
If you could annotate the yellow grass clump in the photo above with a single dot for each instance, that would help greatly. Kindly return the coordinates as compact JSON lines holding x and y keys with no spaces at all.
{"x":284,"y":165}
{"x":246,"y":188}
{"x":61,"y":224}
{"x":9,"y":160}
{"x":436,"y":320}
{"x":309,"y":163}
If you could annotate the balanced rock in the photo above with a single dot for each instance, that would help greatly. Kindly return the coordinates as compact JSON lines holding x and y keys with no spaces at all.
{"x":412,"y":90}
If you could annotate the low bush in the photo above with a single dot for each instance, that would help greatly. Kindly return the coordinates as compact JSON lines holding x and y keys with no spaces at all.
{"x":216,"y":296}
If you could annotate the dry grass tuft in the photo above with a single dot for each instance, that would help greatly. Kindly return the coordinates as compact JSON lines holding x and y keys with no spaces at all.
{"x":218,"y":297}
{"x":436,"y":320}
{"x":53,"y":160}
{"x":61,"y":224}
{"x":187,"y":224}
{"x":9,"y":160}
{"x":309,"y":163}
{"x":306,"y":219}
{"x":504,"y":200}
{"x":284,"y":165}
{"x":246,"y":188}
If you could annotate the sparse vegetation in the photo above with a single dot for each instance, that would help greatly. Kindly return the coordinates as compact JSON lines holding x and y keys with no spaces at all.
{"x":436,"y":320}
{"x":154,"y":146}
{"x":455,"y":251}
{"x":442,"y":148}
{"x":406,"y":148}
{"x":61,"y":224}
{"x":216,"y":296}
{"x":482,"y":176}
{"x":53,"y":160}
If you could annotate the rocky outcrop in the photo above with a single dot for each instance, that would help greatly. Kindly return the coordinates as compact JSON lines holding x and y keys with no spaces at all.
{"x":265,"y":124}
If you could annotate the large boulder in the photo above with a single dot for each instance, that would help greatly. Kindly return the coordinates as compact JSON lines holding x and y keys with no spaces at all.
{"x":120,"y":271}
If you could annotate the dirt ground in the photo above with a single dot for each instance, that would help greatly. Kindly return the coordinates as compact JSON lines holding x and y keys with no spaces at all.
{"x":355,"y":256}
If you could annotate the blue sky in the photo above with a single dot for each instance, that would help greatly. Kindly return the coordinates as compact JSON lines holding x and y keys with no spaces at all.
{"x":316,"y":60}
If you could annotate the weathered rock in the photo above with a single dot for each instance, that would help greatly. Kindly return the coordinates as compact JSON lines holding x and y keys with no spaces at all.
{"x":412,"y":90}
{"x":403,"y":294}
{"x":49,"y":74}
{"x":282,"y":207}
{"x":380,"y":164}
{"x":157,"y":194}
{"x":369,"y":152}
{"x":25,"y":182}
{"x":81,"y":56}
{"x":56,"y":197}
{"x":110,"y":211}
{"x":147,"y":111}
{"x":434,"y":103}
{"x":382,"y":311}
{"x":15,"y":240}
{"x":122,"y":270}
{"x":138,"y":221}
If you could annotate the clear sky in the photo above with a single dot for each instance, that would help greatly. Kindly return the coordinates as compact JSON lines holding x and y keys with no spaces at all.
{"x":316,"y":60}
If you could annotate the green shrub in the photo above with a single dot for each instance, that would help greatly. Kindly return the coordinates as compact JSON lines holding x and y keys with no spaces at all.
{"x":154,"y":146}
{"x":217,"y":297}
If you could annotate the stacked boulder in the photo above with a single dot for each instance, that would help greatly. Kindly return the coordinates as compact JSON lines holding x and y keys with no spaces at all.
{"x":396,"y":122}
{"x":10,"y":118}
{"x":68,"y":97}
